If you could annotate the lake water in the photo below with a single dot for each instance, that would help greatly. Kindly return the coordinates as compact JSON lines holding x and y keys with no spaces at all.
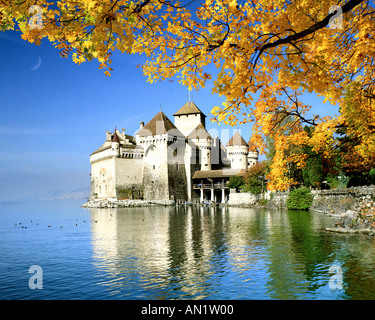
{"x":178,"y":253}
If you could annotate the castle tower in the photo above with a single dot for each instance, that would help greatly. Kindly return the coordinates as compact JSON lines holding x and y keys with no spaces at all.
{"x":252,"y":157}
{"x":164,"y":175}
{"x":115,"y":144}
{"x":237,"y":151}
{"x":188,"y":118}
{"x":202,"y":140}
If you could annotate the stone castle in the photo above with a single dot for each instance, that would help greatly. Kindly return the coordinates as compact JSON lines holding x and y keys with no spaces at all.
{"x":166,"y":161}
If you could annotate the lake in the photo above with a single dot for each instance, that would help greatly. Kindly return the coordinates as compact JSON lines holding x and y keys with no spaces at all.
{"x":178,"y":253}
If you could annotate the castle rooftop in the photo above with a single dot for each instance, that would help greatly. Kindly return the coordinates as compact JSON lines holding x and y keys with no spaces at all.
{"x":237,"y":140}
{"x":160,"y":124}
{"x":115,"y":137}
{"x":189,"y":108}
{"x":199,"y":132}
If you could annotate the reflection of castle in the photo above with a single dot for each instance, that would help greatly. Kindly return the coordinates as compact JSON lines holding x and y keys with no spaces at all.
{"x":197,"y":252}
{"x":143,"y":251}
{"x":166,"y":161}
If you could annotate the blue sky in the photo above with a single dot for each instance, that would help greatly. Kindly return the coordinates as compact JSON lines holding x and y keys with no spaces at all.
{"x":54,"y":113}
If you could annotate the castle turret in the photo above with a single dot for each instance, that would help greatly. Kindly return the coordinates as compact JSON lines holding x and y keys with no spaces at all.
{"x":188,"y":118}
{"x":252,"y":157}
{"x":203,"y":142}
{"x":237,"y":150}
{"x":115,"y":144}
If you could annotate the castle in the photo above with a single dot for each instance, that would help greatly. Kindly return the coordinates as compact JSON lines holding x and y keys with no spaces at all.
{"x":166,"y":161}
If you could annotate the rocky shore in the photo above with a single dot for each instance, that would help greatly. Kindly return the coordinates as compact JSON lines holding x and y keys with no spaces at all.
{"x":114,"y":203}
{"x":359,"y":219}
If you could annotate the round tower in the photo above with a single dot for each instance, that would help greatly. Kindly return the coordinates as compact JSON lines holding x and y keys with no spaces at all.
{"x":203,"y":142}
{"x":204,"y":146}
{"x":237,"y":151}
{"x":252,"y":157}
{"x":115,"y":144}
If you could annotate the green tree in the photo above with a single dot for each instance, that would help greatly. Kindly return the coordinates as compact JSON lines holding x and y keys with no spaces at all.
{"x":313,"y":171}
{"x":254,"y":178}
{"x":235,"y":182}
{"x":300,"y":199}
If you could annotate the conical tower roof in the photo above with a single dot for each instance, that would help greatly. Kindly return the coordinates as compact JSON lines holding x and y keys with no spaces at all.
{"x":237,"y":140}
{"x":115,"y":137}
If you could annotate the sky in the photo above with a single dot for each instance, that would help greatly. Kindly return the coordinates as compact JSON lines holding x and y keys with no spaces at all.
{"x":54,"y":114}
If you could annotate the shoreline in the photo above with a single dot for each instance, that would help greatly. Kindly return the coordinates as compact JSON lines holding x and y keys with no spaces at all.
{"x":125,"y":203}
{"x":360,"y":219}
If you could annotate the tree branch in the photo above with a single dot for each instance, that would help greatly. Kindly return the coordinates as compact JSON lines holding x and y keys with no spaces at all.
{"x":315,"y":27}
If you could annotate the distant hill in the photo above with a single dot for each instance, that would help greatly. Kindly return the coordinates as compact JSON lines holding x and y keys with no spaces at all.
{"x":66,"y":195}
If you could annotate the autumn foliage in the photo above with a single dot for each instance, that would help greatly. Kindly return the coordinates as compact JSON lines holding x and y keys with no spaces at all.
{"x":270,"y":49}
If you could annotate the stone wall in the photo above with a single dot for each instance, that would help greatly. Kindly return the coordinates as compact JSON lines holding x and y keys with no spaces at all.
{"x":176,"y":178}
{"x":340,"y":200}
{"x":328,"y":201}
{"x":177,"y":182}
{"x":129,"y":175}
{"x":155,"y":181}
{"x":242,"y":198}
{"x":103,"y":178}
{"x":113,"y":178}
{"x":278,"y":199}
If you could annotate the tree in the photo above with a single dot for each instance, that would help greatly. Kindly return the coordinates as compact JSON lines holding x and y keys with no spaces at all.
{"x":276,"y":49}
{"x":235,"y":182}
{"x":354,"y":153}
{"x":313,"y":171}
{"x":254,"y":178}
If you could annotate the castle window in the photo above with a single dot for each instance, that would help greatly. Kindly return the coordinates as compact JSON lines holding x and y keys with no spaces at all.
{"x":177,"y":167}
{"x":100,"y":189}
{"x":153,"y":167}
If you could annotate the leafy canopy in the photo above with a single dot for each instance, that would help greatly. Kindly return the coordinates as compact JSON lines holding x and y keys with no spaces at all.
{"x":275,"y":49}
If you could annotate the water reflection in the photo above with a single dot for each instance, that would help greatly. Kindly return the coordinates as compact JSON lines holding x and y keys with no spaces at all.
{"x":226,"y":253}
